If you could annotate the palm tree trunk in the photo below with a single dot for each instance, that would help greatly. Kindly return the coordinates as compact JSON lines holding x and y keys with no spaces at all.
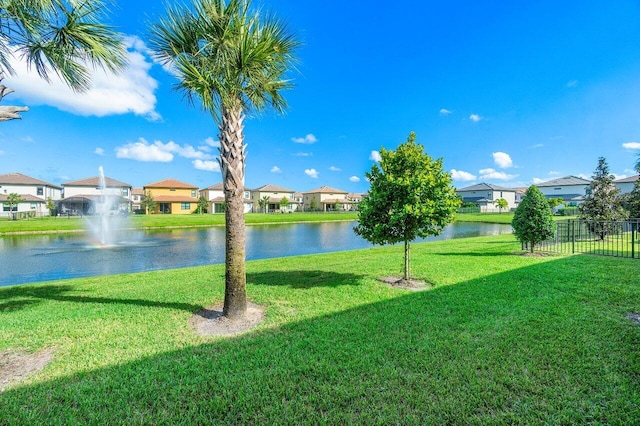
{"x":232,"y":161}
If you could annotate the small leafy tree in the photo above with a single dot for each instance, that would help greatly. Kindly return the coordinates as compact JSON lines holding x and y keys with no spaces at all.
{"x":501,"y":203}
{"x":284,"y":203}
{"x":410,"y":196}
{"x":313,"y":205}
{"x":14,"y":199}
{"x":554,"y":202}
{"x":264,"y":204}
{"x":147,"y":202}
{"x":203,"y":204}
{"x":602,"y":205}
{"x":51,"y":206}
{"x":532,"y":221}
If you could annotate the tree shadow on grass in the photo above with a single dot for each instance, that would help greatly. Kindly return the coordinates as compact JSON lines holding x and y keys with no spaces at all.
{"x":303,"y":279}
{"x":495,"y":349}
{"x":21,"y":297}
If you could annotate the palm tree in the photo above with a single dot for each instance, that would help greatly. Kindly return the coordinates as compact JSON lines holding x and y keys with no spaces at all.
{"x":63,"y":36}
{"x":233,"y":61}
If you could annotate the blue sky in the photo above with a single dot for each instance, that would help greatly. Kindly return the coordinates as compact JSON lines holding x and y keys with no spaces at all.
{"x":510,"y":93}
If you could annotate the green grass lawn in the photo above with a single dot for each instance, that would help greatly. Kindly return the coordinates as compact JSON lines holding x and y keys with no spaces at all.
{"x":505,"y":217}
{"x":74,"y":224}
{"x":502,"y":338}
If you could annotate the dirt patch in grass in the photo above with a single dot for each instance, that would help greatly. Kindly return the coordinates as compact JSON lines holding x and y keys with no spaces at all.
{"x":634,"y":316}
{"x":17,"y":365}
{"x":414,"y":285}
{"x":210,"y":321}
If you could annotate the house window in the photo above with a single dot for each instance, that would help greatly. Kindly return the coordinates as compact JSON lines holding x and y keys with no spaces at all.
{"x":172,"y":190}
{"x":33,"y":206}
{"x":39,"y":190}
{"x":6,"y":207}
{"x":557,"y":189}
{"x":193,"y":193}
{"x":247,"y":194}
{"x":185,"y":206}
{"x":125,"y":192}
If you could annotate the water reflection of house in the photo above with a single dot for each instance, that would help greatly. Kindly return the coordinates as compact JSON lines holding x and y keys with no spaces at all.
{"x":214,"y":195}
{"x":273,"y":195}
{"x":79,"y":195}
{"x":173,"y":197}
{"x":33,"y":192}
{"x":326,"y":198}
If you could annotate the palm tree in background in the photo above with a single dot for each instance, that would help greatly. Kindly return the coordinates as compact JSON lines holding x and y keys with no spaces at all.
{"x":232,"y":60}
{"x":61,"y":36}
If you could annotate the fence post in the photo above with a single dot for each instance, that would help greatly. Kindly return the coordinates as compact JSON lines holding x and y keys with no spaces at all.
{"x":633,"y":239}
{"x":573,"y":236}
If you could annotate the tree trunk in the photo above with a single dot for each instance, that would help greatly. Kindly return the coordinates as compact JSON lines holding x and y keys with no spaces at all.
{"x":407,"y":261}
{"x":232,"y":162}
{"x":9,"y":112}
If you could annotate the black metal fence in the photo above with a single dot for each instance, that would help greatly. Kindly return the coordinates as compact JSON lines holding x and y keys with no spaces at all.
{"x":606,"y":238}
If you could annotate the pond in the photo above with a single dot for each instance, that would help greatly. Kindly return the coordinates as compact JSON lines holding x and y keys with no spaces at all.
{"x":36,"y":258}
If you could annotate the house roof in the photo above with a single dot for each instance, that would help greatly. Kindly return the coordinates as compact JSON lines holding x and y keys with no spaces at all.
{"x":564,"y":181}
{"x":219,"y":187}
{"x":137,"y":191}
{"x":26,"y":198}
{"x":273,"y":188}
{"x":20,"y":179}
{"x":174,"y":199}
{"x":95,"y":182}
{"x":485,"y":186}
{"x":326,"y":190}
{"x":170,"y":183}
{"x":628,"y":180}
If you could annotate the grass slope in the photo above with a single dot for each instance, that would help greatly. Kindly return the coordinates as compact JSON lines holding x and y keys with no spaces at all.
{"x":502,"y":338}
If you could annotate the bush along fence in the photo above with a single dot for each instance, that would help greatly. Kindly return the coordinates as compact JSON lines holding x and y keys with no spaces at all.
{"x":606,"y":238}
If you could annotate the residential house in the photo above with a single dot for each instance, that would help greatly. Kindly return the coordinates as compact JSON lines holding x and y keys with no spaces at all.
{"x":571,"y":189}
{"x":485,"y":195}
{"x":137,"y":195}
{"x":80,"y":195}
{"x":214,"y":195}
{"x":173,"y":197}
{"x":34,"y":192}
{"x":274,"y":195}
{"x":355,"y":199}
{"x":626,"y":185}
{"x":326,"y":198}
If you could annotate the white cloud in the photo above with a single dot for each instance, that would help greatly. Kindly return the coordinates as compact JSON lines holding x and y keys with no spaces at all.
{"x":572,"y":83}
{"x":131,"y":91}
{"x":309,"y":139}
{"x":375,"y":156}
{"x":210,"y":166}
{"x":158,"y":151}
{"x":538,"y":145}
{"x":630,"y":172}
{"x":445,"y":111}
{"x":335,"y":169}
{"x":583,"y":176}
{"x":27,"y":139}
{"x":502,"y":160}
{"x":631,"y":145}
{"x":494,"y":174}
{"x":212,"y":142}
{"x":475,"y":118}
{"x":354,"y":179}
{"x":617,"y":176}
{"x":275,"y":169}
{"x":98,"y":151}
{"x":460,"y":175}
{"x":537,"y":181}
{"x":553,"y":173}
{"x":303,"y":154}
{"x":312,"y":173}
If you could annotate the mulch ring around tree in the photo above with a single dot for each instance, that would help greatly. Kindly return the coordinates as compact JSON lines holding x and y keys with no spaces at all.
{"x":16,"y":365}
{"x":411,"y":284}
{"x":210,"y":321}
